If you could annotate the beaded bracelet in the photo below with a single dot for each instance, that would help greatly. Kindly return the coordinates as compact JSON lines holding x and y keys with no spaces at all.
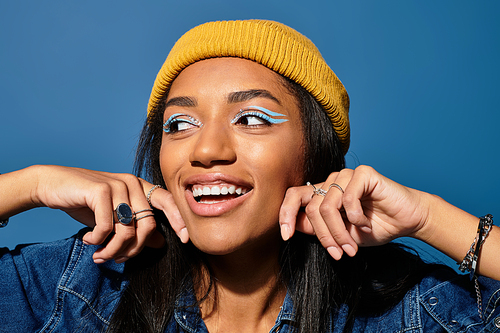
{"x":469,"y":263}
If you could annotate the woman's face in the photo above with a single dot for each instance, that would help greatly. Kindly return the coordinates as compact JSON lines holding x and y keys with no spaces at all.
{"x":232,"y":145}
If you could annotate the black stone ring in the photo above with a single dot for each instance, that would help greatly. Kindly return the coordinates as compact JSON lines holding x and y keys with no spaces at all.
{"x":124,"y":213}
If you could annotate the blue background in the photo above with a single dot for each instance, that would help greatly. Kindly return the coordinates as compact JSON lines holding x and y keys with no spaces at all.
{"x":75,"y":78}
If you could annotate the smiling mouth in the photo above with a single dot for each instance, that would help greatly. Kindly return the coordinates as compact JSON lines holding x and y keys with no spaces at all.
{"x":213,"y":194}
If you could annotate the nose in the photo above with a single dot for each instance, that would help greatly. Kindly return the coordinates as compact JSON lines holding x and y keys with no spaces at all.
{"x":214,"y":146}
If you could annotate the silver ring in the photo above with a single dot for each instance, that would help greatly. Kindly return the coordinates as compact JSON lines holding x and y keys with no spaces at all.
{"x":337,"y":186}
{"x":317,"y":191}
{"x":138,"y":218}
{"x":148,"y":196}
{"x":124,"y":213}
{"x":142,"y":211}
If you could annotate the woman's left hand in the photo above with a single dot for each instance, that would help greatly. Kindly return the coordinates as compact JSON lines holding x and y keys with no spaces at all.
{"x":369,"y":210}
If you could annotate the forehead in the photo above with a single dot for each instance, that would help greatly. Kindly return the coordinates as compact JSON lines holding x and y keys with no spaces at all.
{"x":220,"y":77}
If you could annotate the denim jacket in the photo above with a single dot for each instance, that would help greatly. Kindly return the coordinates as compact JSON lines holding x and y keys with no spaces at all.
{"x":56,"y":287}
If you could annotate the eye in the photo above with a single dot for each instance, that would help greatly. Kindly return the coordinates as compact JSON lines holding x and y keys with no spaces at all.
{"x":258,"y":116}
{"x":251,"y":118}
{"x":180,"y":122}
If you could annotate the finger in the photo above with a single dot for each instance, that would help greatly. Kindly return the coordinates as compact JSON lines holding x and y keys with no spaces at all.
{"x":321,"y":229}
{"x":289,"y":215}
{"x":145,"y":224}
{"x":358,"y":186}
{"x":124,"y":233}
{"x":102,"y":205}
{"x":163,"y":200}
{"x":330,"y":210}
{"x":151,"y":238}
{"x":303,"y":225}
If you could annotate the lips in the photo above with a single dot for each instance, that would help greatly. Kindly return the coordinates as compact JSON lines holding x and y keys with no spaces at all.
{"x":215,"y":194}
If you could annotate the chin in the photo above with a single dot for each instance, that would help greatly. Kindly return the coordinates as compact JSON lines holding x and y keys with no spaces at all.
{"x":226,"y":243}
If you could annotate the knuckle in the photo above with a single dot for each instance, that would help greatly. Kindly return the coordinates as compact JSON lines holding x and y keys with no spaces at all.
{"x":355,"y":216}
{"x":148,"y":225}
{"x":326,"y":208}
{"x":292,"y":191}
{"x":126,"y":235}
{"x":325,"y":239}
{"x":338,"y":235}
{"x":348,"y":198}
{"x":106,"y":229}
{"x":311,"y":209}
{"x":119,"y":186}
{"x":102,"y":189}
{"x":346,"y":172}
{"x":364,"y":169}
{"x":131,"y":179}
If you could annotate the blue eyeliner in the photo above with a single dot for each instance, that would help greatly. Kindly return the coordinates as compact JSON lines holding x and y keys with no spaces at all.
{"x":266,"y":116}
{"x":269,"y":112}
{"x":173,"y":118}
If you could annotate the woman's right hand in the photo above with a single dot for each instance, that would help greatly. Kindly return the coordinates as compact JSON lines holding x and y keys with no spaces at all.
{"x":91,"y":197}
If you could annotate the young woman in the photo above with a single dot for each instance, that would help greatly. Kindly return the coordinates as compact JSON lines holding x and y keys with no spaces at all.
{"x":257,"y":225}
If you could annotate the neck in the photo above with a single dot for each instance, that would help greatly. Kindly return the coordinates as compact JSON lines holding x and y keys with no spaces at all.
{"x":247,"y":294}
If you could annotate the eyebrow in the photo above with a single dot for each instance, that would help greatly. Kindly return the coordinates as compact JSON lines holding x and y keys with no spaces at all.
{"x":181,"y":101}
{"x":234,"y":97}
{"x":246,"y":95}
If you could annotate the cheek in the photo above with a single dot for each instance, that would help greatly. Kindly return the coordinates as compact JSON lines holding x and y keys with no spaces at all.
{"x":169,"y":162}
{"x":280,"y":163}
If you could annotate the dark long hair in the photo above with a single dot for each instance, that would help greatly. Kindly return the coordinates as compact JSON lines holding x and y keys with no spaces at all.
{"x":368,"y":283}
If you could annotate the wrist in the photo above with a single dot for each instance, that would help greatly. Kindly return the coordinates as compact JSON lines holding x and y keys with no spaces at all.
{"x":33,"y":174}
{"x":426,"y":227}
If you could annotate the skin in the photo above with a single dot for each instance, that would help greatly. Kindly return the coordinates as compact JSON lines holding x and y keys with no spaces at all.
{"x":262,"y":158}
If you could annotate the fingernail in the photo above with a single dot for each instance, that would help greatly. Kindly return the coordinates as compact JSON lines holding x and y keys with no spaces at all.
{"x":84,"y":239}
{"x":99,"y":261}
{"x":366,"y":229}
{"x":349,"y":250}
{"x":285,"y":232}
{"x":334,"y":252}
{"x":119,"y":260}
{"x":183,"y":235}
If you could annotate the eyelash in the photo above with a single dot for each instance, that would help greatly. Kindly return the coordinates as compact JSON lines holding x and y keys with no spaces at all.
{"x":175,"y":120}
{"x":245,"y":114}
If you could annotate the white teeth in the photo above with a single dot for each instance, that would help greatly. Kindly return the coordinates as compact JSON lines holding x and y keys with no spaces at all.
{"x":217,"y":190}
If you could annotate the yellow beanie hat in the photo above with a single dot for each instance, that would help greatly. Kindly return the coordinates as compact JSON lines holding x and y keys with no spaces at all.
{"x":272,"y":44}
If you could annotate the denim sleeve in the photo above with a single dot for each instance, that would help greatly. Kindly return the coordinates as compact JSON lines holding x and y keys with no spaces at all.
{"x":28,"y":280}
{"x":56,"y":287}
{"x":451,"y":301}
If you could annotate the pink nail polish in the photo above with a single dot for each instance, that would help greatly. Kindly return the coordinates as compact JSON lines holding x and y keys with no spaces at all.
{"x":334,"y":252}
{"x":285,"y":232}
{"x":349,"y":250}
